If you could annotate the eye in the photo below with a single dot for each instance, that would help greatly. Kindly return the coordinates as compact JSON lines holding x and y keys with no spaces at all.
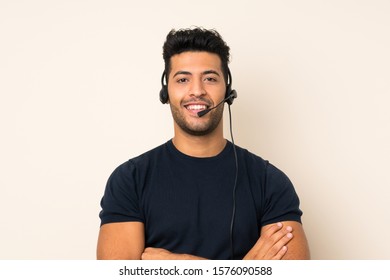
{"x":211,"y":79}
{"x":182,"y":80}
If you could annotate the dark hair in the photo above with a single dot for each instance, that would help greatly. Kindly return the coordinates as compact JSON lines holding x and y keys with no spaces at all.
{"x":196,"y":39}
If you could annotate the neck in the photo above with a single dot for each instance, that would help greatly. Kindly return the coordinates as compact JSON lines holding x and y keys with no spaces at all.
{"x":199,"y":146}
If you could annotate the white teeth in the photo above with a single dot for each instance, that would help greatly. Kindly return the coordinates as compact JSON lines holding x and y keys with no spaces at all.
{"x":196,"y":107}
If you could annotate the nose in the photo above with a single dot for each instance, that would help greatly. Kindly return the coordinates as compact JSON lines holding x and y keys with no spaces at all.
{"x":197,"y":88}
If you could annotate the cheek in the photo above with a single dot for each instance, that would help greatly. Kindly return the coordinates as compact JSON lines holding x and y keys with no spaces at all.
{"x":175,"y":95}
{"x":220,"y":92}
{"x":174,"y":101}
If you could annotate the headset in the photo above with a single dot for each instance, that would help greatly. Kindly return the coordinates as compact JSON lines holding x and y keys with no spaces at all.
{"x":229,"y":95}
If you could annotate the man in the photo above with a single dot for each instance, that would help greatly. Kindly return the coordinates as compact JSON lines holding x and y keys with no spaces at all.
{"x":199,"y":196}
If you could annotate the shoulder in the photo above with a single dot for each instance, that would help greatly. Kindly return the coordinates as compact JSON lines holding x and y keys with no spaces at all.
{"x":262,"y":170}
{"x":251,"y":161}
{"x":140,"y":162}
{"x":148,"y":156}
{"x":256,"y":161}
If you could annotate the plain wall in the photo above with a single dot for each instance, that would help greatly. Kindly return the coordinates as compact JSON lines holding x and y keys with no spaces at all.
{"x":79,"y":84}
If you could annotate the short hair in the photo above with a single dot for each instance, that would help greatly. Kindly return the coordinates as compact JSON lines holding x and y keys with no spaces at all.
{"x":196,"y":39}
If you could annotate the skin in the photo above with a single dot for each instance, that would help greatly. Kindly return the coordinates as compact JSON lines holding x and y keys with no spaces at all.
{"x":203,"y":84}
{"x":196,"y":79}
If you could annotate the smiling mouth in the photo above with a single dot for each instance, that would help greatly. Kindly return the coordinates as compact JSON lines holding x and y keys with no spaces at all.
{"x":196,"y":107}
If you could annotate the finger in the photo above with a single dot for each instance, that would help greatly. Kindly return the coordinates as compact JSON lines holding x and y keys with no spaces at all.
{"x":261,"y":247}
{"x":279,"y":246}
{"x":272,"y":235}
{"x":269,"y":237}
{"x":280,"y":254}
{"x":271,"y":242}
{"x":274,"y":244}
{"x":272,"y":229}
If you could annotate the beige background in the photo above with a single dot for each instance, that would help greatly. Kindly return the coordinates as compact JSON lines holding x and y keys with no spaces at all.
{"x":79,"y":83}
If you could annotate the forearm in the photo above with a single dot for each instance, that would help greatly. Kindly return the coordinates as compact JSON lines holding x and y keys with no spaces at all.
{"x":185,"y":257}
{"x":284,"y":240}
{"x":162,"y":254}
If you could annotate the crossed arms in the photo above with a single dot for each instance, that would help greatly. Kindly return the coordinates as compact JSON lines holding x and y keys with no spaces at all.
{"x":284,"y":240}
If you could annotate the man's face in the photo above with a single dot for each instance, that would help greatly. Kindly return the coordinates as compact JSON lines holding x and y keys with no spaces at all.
{"x":195,"y":83}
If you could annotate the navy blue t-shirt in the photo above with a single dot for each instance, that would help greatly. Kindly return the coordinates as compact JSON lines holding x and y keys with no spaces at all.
{"x":186,"y":202}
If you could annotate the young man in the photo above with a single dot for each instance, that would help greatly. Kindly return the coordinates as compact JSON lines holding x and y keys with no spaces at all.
{"x":198,"y":196}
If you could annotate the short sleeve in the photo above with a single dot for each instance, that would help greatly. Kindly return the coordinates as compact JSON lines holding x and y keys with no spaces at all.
{"x":281,"y":200}
{"x":120,"y":202}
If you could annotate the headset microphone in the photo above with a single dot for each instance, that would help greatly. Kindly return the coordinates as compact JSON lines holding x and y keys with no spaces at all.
{"x":233,"y":94}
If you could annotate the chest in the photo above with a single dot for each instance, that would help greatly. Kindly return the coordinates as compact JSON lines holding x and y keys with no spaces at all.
{"x":193,"y":210}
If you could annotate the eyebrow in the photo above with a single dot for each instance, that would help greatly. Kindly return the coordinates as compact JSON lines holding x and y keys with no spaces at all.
{"x":189,"y":73}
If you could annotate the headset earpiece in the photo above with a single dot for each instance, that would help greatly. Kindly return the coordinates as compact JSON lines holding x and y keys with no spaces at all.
{"x":231,"y":96}
{"x":230,"y":93}
{"x":164,"y":97}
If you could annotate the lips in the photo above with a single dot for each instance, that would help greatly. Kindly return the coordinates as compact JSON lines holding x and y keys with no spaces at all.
{"x":196,"y":107}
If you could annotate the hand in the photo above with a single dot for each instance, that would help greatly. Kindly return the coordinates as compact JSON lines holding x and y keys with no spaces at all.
{"x":156,"y":254}
{"x":272,"y":244}
{"x":162,"y":254}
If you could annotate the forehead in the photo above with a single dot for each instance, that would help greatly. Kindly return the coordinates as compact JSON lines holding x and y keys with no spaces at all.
{"x":194,"y":61}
